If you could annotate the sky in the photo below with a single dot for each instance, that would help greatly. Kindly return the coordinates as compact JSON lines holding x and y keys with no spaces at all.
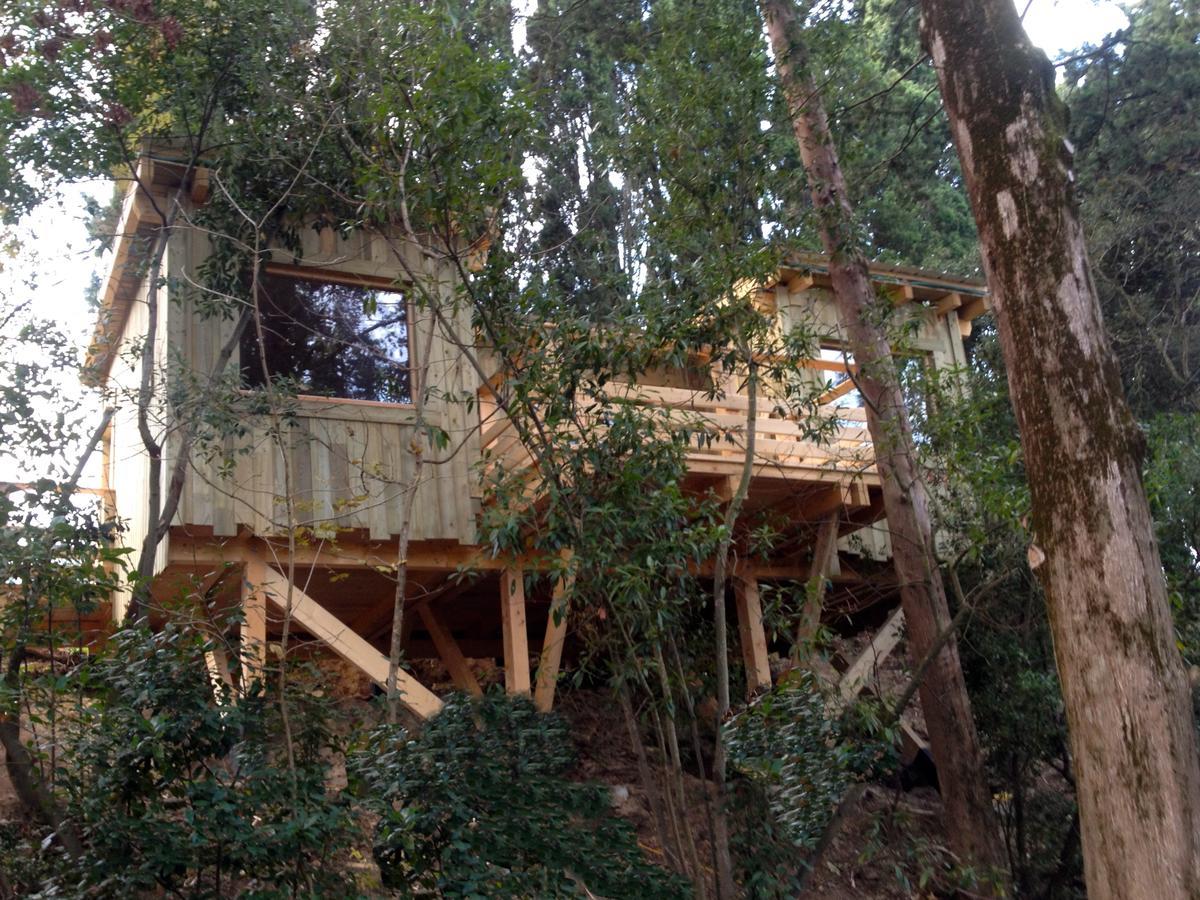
{"x":55,"y":265}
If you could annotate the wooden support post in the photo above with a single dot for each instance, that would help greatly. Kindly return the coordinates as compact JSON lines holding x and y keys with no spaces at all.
{"x":754,"y":637}
{"x":552,"y":644}
{"x":516,"y":637}
{"x":254,"y":625}
{"x":447,"y":648}
{"x":824,"y":567}
{"x":343,"y":640}
{"x":218,"y":671}
{"x":855,"y":678}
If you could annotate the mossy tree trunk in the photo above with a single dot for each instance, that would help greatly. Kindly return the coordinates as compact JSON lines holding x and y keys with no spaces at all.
{"x":1128,"y":704}
{"x":970,"y":822}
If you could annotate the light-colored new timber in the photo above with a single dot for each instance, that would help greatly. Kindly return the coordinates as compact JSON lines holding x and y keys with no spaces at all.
{"x":753,"y":635}
{"x":552,"y":645}
{"x":452,"y":657}
{"x":254,"y":625}
{"x":855,"y":678}
{"x":515,"y":631}
{"x":340,"y":638}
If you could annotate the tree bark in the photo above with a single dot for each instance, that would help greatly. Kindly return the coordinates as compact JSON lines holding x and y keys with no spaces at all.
{"x":1128,"y":704}
{"x":969,"y":818}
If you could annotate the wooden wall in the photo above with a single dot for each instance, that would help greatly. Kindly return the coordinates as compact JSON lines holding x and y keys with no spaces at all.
{"x":348,"y":463}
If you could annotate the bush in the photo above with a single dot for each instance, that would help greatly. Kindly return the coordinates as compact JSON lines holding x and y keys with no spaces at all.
{"x":178,"y":790}
{"x":477,"y":804}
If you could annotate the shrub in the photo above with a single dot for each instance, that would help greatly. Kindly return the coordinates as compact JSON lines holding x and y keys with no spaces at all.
{"x":476,"y":804}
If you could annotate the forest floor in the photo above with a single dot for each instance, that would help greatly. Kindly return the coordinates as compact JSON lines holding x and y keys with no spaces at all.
{"x":887,"y":845}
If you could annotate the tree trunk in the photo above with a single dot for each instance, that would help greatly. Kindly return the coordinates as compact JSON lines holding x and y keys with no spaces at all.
{"x":969,"y":819}
{"x":1128,"y":705}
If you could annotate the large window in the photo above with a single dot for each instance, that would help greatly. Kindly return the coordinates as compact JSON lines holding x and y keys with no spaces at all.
{"x":331,"y":339}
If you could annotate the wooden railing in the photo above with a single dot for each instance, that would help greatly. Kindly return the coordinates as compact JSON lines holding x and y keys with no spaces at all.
{"x":831,"y":449}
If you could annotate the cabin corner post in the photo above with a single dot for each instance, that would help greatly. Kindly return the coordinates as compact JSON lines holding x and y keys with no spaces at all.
{"x":515,"y":632}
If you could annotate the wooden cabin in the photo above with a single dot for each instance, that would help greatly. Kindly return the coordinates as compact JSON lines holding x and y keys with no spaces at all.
{"x":342,"y":454}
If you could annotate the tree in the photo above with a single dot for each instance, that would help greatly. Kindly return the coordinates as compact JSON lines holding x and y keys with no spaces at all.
{"x":1127,"y":697}
{"x":1135,"y":102}
{"x":944,"y":700}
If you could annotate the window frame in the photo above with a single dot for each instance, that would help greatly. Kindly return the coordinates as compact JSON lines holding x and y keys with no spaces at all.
{"x":324,"y":275}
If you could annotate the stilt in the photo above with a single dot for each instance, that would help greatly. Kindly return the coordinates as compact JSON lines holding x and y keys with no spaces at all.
{"x":825,"y":566}
{"x":754,"y":637}
{"x":552,"y":644}
{"x":516,"y":637}
{"x":447,"y":648}
{"x":254,"y":625}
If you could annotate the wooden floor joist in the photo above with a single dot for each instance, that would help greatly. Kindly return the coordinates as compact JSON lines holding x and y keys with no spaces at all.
{"x":342,"y":639}
{"x":552,"y":646}
{"x":514,"y":629}
{"x":753,"y":635}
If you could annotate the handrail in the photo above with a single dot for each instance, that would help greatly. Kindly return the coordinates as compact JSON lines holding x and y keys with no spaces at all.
{"x":717,"y":420}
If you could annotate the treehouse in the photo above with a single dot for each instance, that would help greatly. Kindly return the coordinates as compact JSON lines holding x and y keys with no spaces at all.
{"x":304,"y":506}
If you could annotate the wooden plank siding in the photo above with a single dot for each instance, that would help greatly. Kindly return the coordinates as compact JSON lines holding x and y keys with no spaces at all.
{"x":348,"y":467}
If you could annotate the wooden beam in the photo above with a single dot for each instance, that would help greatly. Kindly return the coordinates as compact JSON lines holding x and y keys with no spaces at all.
{"x":838,"y":390}
{"x":753,"y":635}
{"x":855,"y":678}
{"x":448,"y":649}
{"x":900,"y":293}
{"x":343,"y":640}
{"x":724,"y":489}
{"x":974,"y":308}
{"x":797,"y":284}
{"x":552,"y":645}
{"x":200,"y":185}
{"x":254,"y":620}
{"x":948,"y":302}
{"x":516,"y":636}
{"x":192,"y":550}
{"x":824,"y":568}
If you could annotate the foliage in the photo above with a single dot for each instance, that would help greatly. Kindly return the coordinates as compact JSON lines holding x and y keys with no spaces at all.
{"x":785,"y":740}
{"x":1173,"y":486}
{"x":177,"y":788}
{"x":1135,"y":104}
{"x":84,"y":84}
{"x":477,"y":804}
